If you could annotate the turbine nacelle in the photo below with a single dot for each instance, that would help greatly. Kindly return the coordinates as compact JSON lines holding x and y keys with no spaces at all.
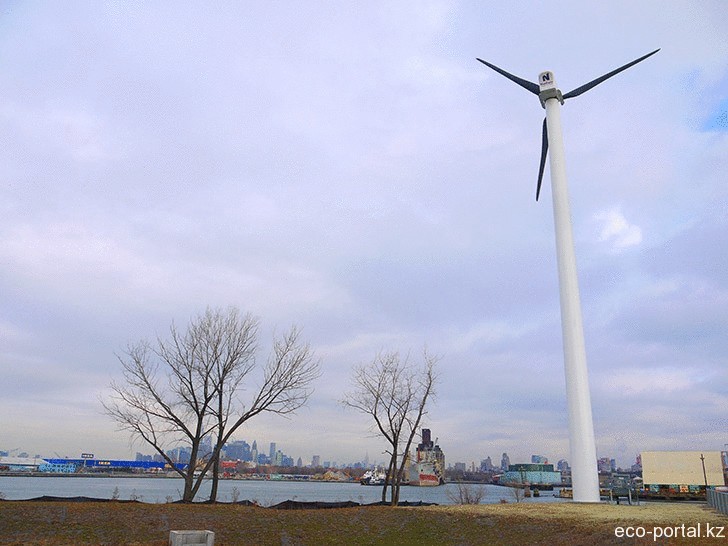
{"x":546,"y":80}
{"x":546,"y":89}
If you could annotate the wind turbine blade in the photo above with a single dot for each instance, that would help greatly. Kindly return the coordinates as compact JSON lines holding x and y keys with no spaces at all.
{"x":584,"y":88}
{"x":532,"y":87}
{"x":544,"y":151}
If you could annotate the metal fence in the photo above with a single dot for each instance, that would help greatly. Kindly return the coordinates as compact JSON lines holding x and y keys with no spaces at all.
{"x":718,"y":500}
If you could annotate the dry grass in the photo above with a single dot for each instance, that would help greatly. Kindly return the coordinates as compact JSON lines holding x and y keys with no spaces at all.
{"x":111,"y":523}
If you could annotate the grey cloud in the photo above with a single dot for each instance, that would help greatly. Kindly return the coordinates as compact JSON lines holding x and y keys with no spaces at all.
{"x":355,"y":171}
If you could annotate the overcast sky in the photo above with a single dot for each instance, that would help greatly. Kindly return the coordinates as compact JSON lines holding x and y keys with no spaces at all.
{"x":352,"y":169}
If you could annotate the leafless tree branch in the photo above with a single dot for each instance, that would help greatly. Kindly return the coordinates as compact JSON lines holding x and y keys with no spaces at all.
{"x":394,"y":393}
{"x":190,"y":387}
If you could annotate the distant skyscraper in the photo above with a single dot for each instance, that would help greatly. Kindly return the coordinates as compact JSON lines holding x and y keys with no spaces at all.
{"x":486,"y":465}
{"x":272,"y":451}
{"x":316,"y":461}
{"x":278,"y":458}
{"x":505,"y":462}
{"x":637,"y":466}
{"x":179,"y":454}
{"x":605,"y":465}
{"x":205,"y":446}
{"x":254,"y":452}
{"x":299,"y":463}
{"x":237,"y":451}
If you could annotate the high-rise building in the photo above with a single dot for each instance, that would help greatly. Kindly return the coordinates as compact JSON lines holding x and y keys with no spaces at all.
{"x":299,"y":463}
{"x":254,"y":452}
{"x":278,"y":458}
{"x":316,"y":461}
{"x":205,"y":447}
{"x":272,"y":451}
{"x":637,"y":466}
{"x":505,"y":462}
{"x":605,"y":465}
{"x":180,"y":454}
{"x":486,"y":465}
{"x":238,"y":451}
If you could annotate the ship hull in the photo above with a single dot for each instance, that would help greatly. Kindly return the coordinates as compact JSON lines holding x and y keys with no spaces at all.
{"x":426,"y":475}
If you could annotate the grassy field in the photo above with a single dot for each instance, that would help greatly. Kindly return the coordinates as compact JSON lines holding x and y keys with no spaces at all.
{"x":66,"y":523}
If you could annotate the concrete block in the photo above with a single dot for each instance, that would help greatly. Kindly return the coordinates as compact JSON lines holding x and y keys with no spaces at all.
{"x":191,"y":538}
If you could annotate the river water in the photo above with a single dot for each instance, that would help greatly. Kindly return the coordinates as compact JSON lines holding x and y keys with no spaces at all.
{"x":266,"y":493}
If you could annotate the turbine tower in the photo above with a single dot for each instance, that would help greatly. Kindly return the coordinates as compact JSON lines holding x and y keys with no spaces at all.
{"x":584,"y":476}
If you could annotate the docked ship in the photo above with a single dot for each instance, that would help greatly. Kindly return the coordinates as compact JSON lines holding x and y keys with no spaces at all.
{"x":376,"y":476}
{"x":428,"y":468}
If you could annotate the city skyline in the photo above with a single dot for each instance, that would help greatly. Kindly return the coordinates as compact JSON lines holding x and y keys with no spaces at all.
{"x":294,"y":460}
{"x":347,"y":168}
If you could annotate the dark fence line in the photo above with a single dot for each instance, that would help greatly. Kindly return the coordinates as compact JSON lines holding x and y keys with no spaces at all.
{"x":718,"y":500}
{"x":285,"y":505}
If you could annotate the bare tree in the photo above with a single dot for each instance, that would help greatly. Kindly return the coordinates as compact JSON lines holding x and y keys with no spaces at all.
{"x":287,"y":378}
{"x":394,"y":392}
{"x":227,"y":349}
{"x":466,"y":493}
{"x":517,"y":492}
{"x":189,"y":387}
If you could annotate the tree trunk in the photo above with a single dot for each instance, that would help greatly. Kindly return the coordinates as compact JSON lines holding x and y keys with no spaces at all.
{"x":215,"y":478}
{"x":216,"y":461}
{"x":192,"y":485}
{"x":393,"y":471}
{"x":400,"y":477}
{"x":386,"y":479}
{"x":188,"y":493}
{"x":397,"y":483}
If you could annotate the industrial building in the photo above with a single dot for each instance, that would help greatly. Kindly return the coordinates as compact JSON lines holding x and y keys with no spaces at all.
{"x":20,"y":464}
{"x":683,"y":472}
{"x":541,"y":476}
{"x":69,"y":466}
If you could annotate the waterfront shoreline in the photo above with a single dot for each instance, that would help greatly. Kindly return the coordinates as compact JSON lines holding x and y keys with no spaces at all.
{"x":264,"y":492}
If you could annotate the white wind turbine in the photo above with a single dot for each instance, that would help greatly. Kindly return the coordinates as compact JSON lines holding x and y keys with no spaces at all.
{"x":585,"y":479}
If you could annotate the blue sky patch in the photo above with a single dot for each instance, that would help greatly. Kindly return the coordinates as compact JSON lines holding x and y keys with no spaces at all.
{"x":718,"y":121}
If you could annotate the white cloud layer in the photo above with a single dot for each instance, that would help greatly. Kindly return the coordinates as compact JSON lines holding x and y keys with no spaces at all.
{"x":351,"y":168}
{"x":617,"y":231}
